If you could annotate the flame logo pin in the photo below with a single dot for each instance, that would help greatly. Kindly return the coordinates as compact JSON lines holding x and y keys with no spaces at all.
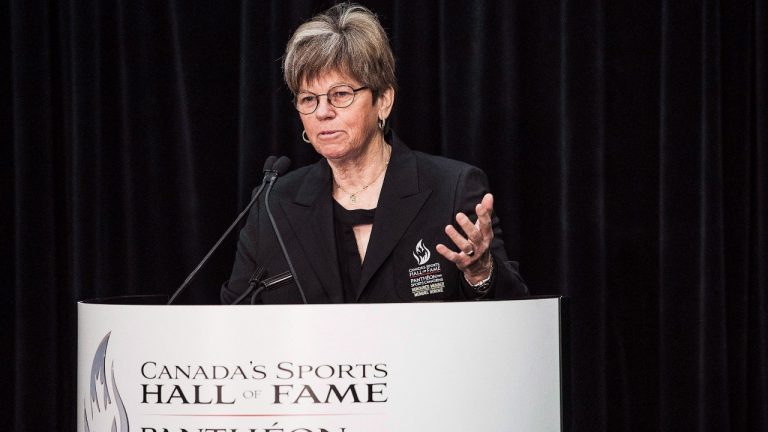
{"x":103,"y":413}
{"x":421,"y":253}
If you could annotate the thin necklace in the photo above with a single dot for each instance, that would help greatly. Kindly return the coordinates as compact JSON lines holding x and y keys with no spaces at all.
{"x":353,"y":196}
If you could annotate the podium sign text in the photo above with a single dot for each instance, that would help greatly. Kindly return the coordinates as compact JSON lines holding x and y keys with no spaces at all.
{"x":473,"y":366}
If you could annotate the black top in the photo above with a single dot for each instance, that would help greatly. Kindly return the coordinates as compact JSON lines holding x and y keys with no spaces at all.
{"x":346,"y":246}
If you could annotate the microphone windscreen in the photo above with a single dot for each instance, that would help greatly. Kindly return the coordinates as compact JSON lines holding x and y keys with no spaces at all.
{"x":281,"y":165}
{"x":270,"y":162}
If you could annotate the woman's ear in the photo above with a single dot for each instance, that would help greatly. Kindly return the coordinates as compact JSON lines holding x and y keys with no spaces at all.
{"x":385,"y":102}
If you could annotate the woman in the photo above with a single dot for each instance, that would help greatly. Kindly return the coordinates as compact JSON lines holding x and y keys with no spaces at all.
{"x":372,"y":221}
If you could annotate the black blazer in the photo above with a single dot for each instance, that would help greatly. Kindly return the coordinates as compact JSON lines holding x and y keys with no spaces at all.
{"x":421,"y":194}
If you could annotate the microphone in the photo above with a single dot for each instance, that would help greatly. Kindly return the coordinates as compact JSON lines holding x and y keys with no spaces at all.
{"x":270,"y":175}
{"x":281,"y":165}
{"x":268,"y":164}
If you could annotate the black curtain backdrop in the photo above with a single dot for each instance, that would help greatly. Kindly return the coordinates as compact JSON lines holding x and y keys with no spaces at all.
{"x":626,"y":143}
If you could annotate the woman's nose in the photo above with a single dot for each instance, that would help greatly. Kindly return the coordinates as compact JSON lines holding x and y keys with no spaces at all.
{"x":324,"y":108}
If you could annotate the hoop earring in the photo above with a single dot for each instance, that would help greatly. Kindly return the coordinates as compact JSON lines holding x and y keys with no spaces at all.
{"x":304,"y":137}
{"x":382,"y":123}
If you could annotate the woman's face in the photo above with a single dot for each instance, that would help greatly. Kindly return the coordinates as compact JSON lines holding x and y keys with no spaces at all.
{"x":344,"y":133}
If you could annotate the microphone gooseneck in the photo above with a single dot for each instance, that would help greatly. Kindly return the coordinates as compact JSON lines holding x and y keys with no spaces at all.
{"x":280,"y":166}
{"x":269,"y":177}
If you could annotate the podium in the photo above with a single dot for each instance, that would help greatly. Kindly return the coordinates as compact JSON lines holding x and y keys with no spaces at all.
{"x":420,"y":367}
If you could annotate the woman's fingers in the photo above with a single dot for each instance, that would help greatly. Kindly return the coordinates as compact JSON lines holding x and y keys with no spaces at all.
{"x":476,"y":238}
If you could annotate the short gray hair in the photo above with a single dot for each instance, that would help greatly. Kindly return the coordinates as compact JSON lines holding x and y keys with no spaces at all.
{"x":347,"y":38}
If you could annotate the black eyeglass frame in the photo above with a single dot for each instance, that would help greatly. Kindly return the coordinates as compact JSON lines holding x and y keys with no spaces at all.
{"x":330,"y":90}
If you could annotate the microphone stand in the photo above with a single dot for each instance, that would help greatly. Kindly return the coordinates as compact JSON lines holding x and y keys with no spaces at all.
{"x":269,"y":178}
{"x":252,"y":282}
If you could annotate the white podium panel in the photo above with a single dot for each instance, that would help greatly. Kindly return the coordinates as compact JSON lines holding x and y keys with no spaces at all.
{"x":470,"y":366}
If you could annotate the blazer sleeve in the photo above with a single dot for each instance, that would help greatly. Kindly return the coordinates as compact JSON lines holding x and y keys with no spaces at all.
{"x":506,"y":282}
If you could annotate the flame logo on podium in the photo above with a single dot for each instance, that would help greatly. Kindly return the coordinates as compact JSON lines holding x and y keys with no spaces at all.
{"x":105,"y":412}
{"x":421,"y":253}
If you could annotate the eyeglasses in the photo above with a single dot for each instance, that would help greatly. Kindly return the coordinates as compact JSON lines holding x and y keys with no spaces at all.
{"x":340,"y":96}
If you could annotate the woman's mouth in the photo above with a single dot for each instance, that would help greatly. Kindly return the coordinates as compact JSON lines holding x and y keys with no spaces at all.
{"x":329,"y":134}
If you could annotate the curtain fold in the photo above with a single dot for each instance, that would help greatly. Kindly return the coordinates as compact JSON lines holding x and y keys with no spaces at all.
{"x":757,"y":296}
{"x":625,"y":143}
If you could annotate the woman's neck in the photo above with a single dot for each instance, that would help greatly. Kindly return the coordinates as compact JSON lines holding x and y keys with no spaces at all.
{"x":362,"y":169}
{"x":357,"y":181}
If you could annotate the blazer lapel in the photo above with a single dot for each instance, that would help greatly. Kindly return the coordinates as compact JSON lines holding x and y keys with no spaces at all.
{"x":399,"y":203}
{"x":311,"y":218}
